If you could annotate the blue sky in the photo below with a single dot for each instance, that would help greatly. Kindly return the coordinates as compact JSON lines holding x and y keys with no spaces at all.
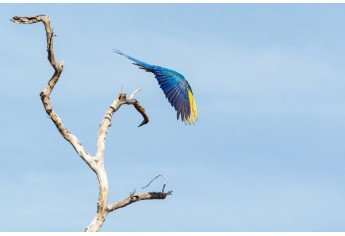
{"x":267,"y":153}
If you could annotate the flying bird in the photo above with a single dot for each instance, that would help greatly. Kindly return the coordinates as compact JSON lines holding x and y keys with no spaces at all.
{"x":175,"y":87}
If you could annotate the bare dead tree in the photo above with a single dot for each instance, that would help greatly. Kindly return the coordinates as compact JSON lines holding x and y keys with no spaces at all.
{"x":96,"y":163}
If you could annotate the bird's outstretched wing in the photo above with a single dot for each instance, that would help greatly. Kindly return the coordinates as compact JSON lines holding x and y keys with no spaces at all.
{"x":175,"y":87}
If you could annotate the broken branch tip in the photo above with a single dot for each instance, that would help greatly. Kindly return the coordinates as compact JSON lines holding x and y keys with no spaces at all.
{"x":135,"y":92}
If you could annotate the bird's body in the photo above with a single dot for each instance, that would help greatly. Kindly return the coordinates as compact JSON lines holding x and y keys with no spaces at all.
{"x":175,"y":87}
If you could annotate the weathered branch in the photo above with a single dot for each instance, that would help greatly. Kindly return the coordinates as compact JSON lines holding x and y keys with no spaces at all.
{"x":96,"y":163}
{"x":137,"y":197}
{"x":140,"y":109}
{"x":102,"y":209}
{"x":106,"y":123}
{"x":27,"y":19}
{"x":58,"y":67}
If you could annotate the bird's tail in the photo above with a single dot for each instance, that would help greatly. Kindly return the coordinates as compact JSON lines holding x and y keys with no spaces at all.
{"x":119,"y":52}
{"x":141,"y":64}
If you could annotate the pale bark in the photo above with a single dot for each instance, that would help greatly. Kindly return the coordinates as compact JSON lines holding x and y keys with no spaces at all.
{"x":96,"y":163}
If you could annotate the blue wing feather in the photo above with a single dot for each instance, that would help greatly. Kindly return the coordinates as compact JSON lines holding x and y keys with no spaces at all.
{"x":175,"y":87}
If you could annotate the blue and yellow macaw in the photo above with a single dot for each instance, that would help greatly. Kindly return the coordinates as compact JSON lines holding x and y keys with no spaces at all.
{"x":175,"y":87}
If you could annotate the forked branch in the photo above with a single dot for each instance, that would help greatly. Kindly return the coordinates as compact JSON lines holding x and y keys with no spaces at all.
{"x":96,"y":163}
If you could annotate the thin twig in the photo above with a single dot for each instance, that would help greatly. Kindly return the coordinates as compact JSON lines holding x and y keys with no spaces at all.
{"x":135,"y":92}
{"x":165,"y":182}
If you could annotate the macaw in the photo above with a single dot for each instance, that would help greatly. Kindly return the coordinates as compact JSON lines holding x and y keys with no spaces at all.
{"x":175,"y":87}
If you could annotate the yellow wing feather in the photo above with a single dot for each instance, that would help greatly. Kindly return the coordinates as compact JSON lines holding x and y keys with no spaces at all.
{"x":193,"y":116}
